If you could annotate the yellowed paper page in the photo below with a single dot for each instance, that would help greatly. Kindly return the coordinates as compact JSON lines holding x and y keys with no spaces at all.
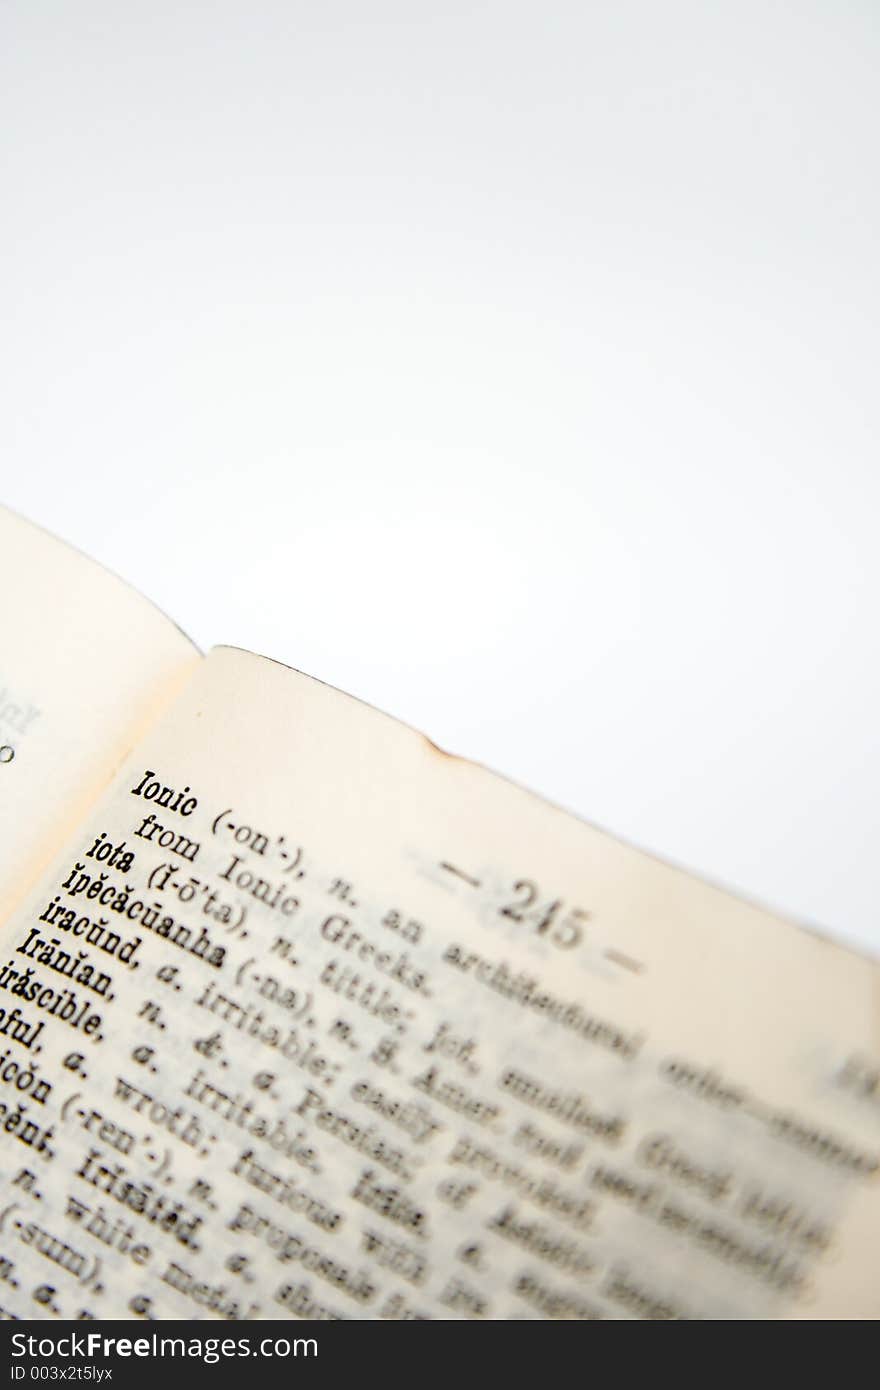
{"x":313,"y":1020}
{"x":85,"y":663}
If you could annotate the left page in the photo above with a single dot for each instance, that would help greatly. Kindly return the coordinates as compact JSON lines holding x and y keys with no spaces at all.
{"x":86,"y":665}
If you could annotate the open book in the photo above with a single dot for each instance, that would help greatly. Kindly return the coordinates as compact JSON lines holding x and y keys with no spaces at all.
{"x":301,"y":1016}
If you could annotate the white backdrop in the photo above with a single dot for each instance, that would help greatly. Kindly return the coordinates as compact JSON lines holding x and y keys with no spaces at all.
{"x":510,"y":365}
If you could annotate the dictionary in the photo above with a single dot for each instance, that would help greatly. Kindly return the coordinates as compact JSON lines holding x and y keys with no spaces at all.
{"x":303,"y":1017}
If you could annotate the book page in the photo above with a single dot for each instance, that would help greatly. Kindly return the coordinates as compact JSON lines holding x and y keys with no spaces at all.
{"x":313,"y":1020}
{"x":85,"y":663}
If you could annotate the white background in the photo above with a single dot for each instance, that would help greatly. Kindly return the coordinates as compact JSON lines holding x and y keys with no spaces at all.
{"x":511,"y":366}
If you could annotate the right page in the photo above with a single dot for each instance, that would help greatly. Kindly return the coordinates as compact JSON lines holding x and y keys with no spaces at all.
{"x":376,"y":1034}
